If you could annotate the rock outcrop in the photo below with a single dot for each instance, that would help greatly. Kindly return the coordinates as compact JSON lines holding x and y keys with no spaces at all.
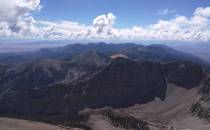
{"x":125,"y":82}
{"x":183,"y":74}
{"x":202,"y":107}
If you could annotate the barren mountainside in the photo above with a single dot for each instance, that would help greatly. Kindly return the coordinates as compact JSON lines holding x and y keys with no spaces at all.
{"x":61,"y":90}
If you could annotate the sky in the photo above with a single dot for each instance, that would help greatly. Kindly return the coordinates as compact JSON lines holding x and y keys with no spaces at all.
{"x":176,"y":20}
{"x":128,"y":12}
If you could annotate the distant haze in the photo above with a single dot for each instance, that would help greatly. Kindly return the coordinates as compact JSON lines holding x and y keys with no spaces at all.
{"x":200,"y":50}
{"x":25,"y":46}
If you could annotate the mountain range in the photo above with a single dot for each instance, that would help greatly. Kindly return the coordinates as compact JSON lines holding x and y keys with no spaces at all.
{"x":56,"y":83}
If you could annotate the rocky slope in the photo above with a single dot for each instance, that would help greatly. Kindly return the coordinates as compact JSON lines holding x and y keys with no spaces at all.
{"x":158,"y":52}
{"x":184,"y":74}
{"x":17,"y":124}
{"x":122,"y":83}
{"x":38,"y":74}
{"x":201,"y":108}
{"x":91,"y":57}
{"x":3,"y":69}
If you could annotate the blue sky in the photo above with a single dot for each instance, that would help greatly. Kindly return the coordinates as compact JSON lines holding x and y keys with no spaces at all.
{"x":105,"y":20}
{"x":128,"y":12}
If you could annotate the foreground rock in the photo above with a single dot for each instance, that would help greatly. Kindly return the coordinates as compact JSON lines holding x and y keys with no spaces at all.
{"x":17,"y":124}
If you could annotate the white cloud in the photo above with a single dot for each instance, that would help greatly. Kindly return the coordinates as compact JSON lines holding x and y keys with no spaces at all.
{"x":104,"y":23}
{"x":15,"y":15}
{"x":166,"y":12}
{"x":4,"y":29}
{"x":62,"y":29}
{"x":16,"y":20}
{"x":202,"y":11}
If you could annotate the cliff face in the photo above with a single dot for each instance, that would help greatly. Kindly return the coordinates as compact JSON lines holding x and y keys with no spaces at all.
{"x":183,"y":74}
{"x":3,"y":69}
{"x":125,"y":82}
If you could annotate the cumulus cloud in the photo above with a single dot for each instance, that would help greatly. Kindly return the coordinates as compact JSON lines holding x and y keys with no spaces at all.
{"x":61,"y":30}
{"x":202,"y":11}
{"x":195,"y":28}
{"x":16,"y":20}
{"x":13,"y":10}
{"x":102,"y":27}
{"x":183,"y":28}
{"x":104,"y":23}
{"x":15,"y":16}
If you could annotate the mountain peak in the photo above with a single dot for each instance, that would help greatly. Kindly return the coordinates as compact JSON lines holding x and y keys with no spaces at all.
{"x":90,"y":57}
{"x":91,"y":53}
